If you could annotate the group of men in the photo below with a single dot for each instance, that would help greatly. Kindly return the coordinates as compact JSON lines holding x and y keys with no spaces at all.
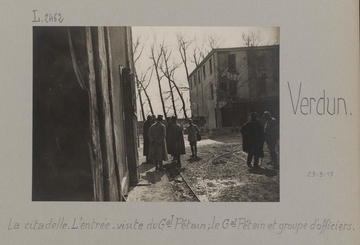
{"x":255,"y":134}
{"x":161,"y":140}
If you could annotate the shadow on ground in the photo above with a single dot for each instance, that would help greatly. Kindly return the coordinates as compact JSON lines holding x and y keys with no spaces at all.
{"x":194,"y":159}
{"x":153,"y":177}
{"x":144,"y":167}
{"x":227,"y":138}
{"x":263,"y":171}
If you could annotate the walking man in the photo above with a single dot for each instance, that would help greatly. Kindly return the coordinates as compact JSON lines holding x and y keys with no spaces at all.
{"x":157,"y":136}
{"x":271,"y":130}
{"x":192,"y":130}
{"x":253,"y":140}
{"x":175,"y":141}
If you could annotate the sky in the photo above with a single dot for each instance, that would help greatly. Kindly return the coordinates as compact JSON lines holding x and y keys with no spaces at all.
{"x":226,"y":37}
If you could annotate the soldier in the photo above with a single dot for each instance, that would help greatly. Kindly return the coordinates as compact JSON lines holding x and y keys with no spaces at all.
{"x":193,"y":130}
{"x":253,"y":140}
{"x":271,"y":130}
{"x":157,"y":136}
{"x":175,"y":140}
{"x":146,"y":127}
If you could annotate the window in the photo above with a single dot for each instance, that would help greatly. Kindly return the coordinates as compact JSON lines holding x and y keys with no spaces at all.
{"x":212,"y":91}
{"x":195,"y":80}
{"x":210,"y":66}
{"x":199,"y":76}
{"x":204,"y":72}
{"x":231,"y":63}
{"x":232,"y":88}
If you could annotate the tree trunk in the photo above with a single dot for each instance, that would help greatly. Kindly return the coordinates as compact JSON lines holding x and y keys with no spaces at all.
{"x":170,"y":87}
{"x":147,"y":97}
{"x":172,"y":98}
{"x":181,"y":98}
{"x":159,"y":83}
{"x":149,"y":101}
{"x":141,"y":105}
{"x":140,"y":98}
{"x":160,"y":91}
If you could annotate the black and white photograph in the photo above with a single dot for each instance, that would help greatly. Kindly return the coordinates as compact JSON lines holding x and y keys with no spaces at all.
{"x":180,"y":122}
{"x":156,"y":114}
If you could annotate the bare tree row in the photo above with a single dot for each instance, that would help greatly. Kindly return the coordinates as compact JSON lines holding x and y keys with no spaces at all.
{"x":165,"y":70}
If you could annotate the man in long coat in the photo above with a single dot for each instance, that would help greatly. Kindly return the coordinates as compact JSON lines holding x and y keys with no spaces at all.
{"x":253,"y":140}
{"x":157,"y":136}
{"x":147,"y":125}
{"x":193,"y":130}
{"x":175,"y":140}
{"x":271,"y":130}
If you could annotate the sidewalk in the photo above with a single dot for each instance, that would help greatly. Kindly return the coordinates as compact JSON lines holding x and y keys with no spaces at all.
{"x":153,"y":186}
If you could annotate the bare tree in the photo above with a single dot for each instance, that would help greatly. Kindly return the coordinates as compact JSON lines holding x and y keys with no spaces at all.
{"x":136,"y":54}
{"x":168,"y":72}
{"x":141,"y":103}
{"x":213,"y":42}
{"x":138,"y":49}
{"x":252,"y":39}
{"x":198,"y":53}
{"x":142,"y":81}
{"x":183,"y":46}
{"x":181,"y":96}
{"x":156,"y":55}
{"x":145,"y":85}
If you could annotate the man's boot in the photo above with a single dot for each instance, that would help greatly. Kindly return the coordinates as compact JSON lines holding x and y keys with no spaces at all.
{"x":256,"y":162}
{"x":178,"y":161}
{"x":161,"y":166}
{"x":249,"y":159}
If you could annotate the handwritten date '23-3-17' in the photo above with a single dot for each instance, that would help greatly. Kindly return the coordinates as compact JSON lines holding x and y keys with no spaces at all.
{"x":48,"y":17}
{"x":320,"y":174}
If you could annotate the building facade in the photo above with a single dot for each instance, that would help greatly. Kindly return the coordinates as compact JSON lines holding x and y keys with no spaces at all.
{"x":84,"y":114}
{"x":230,"y":83}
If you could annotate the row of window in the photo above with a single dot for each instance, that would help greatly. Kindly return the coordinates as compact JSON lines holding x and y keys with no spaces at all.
{"x":200,"y":74}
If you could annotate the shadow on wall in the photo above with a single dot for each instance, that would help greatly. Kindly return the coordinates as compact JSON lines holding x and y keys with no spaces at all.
{"x":61,"y":161}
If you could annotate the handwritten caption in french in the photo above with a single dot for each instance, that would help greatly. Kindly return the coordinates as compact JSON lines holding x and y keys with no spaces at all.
{"x":320,"y":226}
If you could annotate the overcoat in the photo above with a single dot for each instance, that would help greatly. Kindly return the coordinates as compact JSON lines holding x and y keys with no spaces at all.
{"x":175,"y":140}
{"x":253,"y":138}
{"x":157,"y":135}
{"x":146,"y":128}
{"x":271,"y":130}
{"x":192,"y":130}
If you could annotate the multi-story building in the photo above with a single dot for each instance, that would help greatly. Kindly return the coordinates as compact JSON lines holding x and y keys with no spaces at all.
{"x":230,"y":83}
